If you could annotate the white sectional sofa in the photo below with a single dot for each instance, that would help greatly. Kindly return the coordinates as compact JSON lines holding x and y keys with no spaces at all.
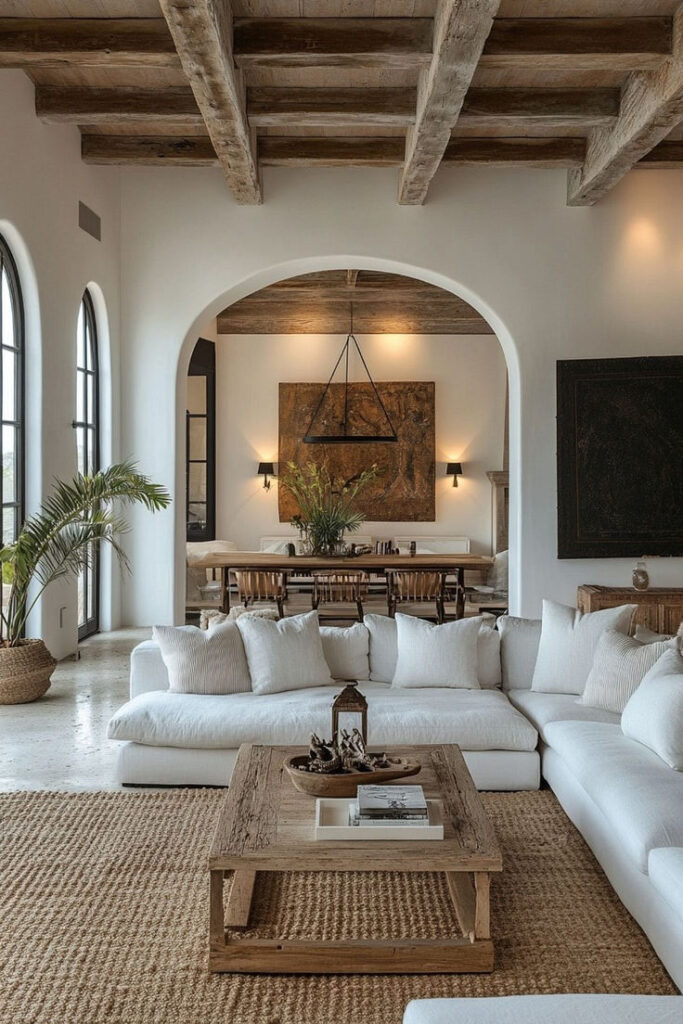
{"x":178,"y":738}
{"x":550,"y":1009}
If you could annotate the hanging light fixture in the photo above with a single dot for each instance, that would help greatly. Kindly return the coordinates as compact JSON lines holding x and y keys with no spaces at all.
{"x":344,"y":437}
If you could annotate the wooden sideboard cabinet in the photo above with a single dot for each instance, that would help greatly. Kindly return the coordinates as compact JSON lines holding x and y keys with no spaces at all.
{"x":659,"y":608}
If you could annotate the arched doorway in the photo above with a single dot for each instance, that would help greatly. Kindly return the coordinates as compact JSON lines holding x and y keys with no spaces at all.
{"x":297,"y":267}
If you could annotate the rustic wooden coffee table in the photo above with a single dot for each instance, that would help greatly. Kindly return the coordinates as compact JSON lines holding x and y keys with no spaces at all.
{"x":266,"y":825}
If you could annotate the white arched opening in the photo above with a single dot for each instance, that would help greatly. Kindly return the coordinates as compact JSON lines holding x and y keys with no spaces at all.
{"x":293,"y":268}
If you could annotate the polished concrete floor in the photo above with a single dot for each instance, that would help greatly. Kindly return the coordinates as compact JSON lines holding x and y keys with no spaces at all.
{"x":60,"y":741}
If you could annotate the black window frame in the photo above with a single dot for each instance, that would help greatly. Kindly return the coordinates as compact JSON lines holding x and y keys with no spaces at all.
{"x":8,"y":264}
{"x":90,"y":425}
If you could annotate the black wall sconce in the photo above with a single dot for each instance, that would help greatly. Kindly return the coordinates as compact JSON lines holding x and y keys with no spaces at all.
{"x":266,"y":470}
{"x":454,"y":469}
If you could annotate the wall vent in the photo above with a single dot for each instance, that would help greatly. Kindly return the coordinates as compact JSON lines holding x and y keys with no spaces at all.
{"x":89,"y":221}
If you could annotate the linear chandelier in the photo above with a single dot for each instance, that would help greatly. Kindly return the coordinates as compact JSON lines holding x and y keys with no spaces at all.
{"x":344,"y":437}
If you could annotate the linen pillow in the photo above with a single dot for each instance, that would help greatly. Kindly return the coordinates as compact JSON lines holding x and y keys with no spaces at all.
{"x":568,"y":642}
{"x":489,"y":670}
{"x":519,"y":640}
{"x":619,"y":665}
{"x":198,"y":661}
{"x":346,"y":651}
{"x":648,"y":636}
{"x":383,"y":647}
{"x":444,"y":655}
{"x":654,"y":714}
{"x":284,"y":655}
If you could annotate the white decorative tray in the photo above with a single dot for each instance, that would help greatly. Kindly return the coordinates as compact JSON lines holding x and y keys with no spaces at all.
{"x":332,"y":822}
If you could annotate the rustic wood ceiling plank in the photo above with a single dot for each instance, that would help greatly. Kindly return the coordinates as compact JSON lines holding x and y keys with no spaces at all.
{"x":667,"y":156}
{"x":584,"y":107}
{"x":460,"y":31}
{"x":125,"y":106}
{"x":346,"y":42}
{"x":275,"y":151}
{"x":319,"y":108}
{"x":651,"y":105}
{"x":56,"y":42}
{"x":148,"y":150}
{"x":526,"y":152}
{"x":202,"y":31}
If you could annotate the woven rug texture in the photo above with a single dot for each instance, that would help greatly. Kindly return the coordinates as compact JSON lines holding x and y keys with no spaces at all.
{"x":104,"y":918}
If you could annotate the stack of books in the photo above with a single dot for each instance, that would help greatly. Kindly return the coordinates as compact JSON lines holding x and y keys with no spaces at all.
{"x":389,"y":806}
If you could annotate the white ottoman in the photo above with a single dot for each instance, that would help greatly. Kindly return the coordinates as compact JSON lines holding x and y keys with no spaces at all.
{"x":555,"y":1009}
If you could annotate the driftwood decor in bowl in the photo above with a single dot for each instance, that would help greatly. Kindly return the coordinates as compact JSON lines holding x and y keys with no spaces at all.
{"x":337,"y":768}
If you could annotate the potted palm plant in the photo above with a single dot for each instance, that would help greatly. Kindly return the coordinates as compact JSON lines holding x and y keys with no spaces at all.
{"x":326,"y":506}
{"x":58,"y":541}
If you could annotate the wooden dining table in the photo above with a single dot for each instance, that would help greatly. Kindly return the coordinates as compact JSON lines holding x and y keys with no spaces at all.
{"x":225,"y":562}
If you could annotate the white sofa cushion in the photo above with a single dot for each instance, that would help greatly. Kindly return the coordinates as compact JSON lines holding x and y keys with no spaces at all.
{"x":474,"y":719}
{"x":553,"y":1009}
{"x":654,"y":714}
{"x":429,"y":655}
{"x":519,"y":640}
{"x":383,"y":636}
{"x":619,"y":665}
{"x":568,"y":641}
{"x":200,"y":661}
{"x":641,"y":798}
{"x":346,"y":650}
{"x":543,"y":708}
{"x":665,"y":868}
{"x":284,"y":655}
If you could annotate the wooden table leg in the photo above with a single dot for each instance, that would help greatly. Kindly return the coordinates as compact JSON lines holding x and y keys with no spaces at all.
{"x":239,"y":900}
{"x":225,"y":589}
{"x":460,"y":595}
{"x":216,"y":916}
{"x":482,"y":920}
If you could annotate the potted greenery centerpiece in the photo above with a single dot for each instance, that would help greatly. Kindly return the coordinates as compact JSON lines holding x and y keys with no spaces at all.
{"x":326,"y":506}
{"x":58,"y":541}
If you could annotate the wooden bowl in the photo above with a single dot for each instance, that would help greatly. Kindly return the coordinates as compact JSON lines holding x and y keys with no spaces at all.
{"x":346,"y":783}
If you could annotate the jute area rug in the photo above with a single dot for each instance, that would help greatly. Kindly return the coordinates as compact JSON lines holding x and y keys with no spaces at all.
{"x":104,"y":918}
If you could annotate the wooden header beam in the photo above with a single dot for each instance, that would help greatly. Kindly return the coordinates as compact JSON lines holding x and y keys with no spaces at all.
{"x":651,"y":105}
{"x":460,"y":31}
{"x":202,"y":32}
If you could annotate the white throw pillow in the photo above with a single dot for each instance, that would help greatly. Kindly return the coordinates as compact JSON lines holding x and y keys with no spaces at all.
{"x":346,"y":651}
{"x":444,"y":655}
{"x":383,"y":647}
{"x":568,"y":642}
{"x":200,"y":661}
{"x":619,"y":665}
{"x":654,"y":714}
{"x":284,"y":655}
{"x":519,"y":640}
{"x":648,"y":636}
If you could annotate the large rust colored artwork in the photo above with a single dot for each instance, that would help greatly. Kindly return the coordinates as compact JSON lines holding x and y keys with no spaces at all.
{"x":404,"y":492}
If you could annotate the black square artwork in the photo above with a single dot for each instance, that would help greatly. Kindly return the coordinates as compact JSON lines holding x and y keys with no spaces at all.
{"x":620,"y":457}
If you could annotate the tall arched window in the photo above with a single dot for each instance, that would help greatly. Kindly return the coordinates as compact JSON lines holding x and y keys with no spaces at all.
{"x":11,"y":396}
{"x":87,"y":424}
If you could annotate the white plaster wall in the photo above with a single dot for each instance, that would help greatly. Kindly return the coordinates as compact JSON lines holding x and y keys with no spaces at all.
{"x":469,"y":373}
{"x":42,"y":179}
{"x":554,"y":282}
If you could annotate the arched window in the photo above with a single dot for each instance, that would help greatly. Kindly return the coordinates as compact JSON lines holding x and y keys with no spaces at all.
{"x":87,"y":424}
{"x":11,"y":396}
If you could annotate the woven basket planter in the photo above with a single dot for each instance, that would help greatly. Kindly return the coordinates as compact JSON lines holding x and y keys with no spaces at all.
{"x":25,"y":672}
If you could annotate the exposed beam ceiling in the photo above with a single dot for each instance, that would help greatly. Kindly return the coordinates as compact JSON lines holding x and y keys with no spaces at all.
{"x":651,"y":105}
{"x":202,"y":32}
{"x":321,"y":304}
{"x":460,"y":31}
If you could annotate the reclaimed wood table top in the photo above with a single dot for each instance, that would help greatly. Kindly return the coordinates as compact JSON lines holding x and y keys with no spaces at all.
{"x":265,"y":824}
{"x":344,"y":563}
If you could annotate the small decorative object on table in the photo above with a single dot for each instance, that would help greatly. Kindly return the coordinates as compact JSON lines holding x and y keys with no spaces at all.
{"x":640,"y":576}
{"x":350,"y":712}
{"x":336,"y":767}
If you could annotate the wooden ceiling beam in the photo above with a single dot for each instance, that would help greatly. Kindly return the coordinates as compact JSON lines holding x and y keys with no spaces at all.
{"x":667,"y":156}
{"x":554,"y":107}
{"x":203,"y":34}
{"x":382,"y":319}
{"x":341,"y":42}
{"x":651,"y":105}
{"x":510,"y":152}
{"x":320,"y":108}
{"x":460,"y":31}
{"x":302,"y":151}
{"x":56,"y":105}
{"x":56,"y":42}
{"x":586,"y":44}
{"x":150,"y":151}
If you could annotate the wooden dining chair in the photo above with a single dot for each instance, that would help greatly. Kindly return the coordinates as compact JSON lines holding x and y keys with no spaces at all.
{"x":340,"y":588}
{"x":416,"y":587}
{"x":256,"y":585}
